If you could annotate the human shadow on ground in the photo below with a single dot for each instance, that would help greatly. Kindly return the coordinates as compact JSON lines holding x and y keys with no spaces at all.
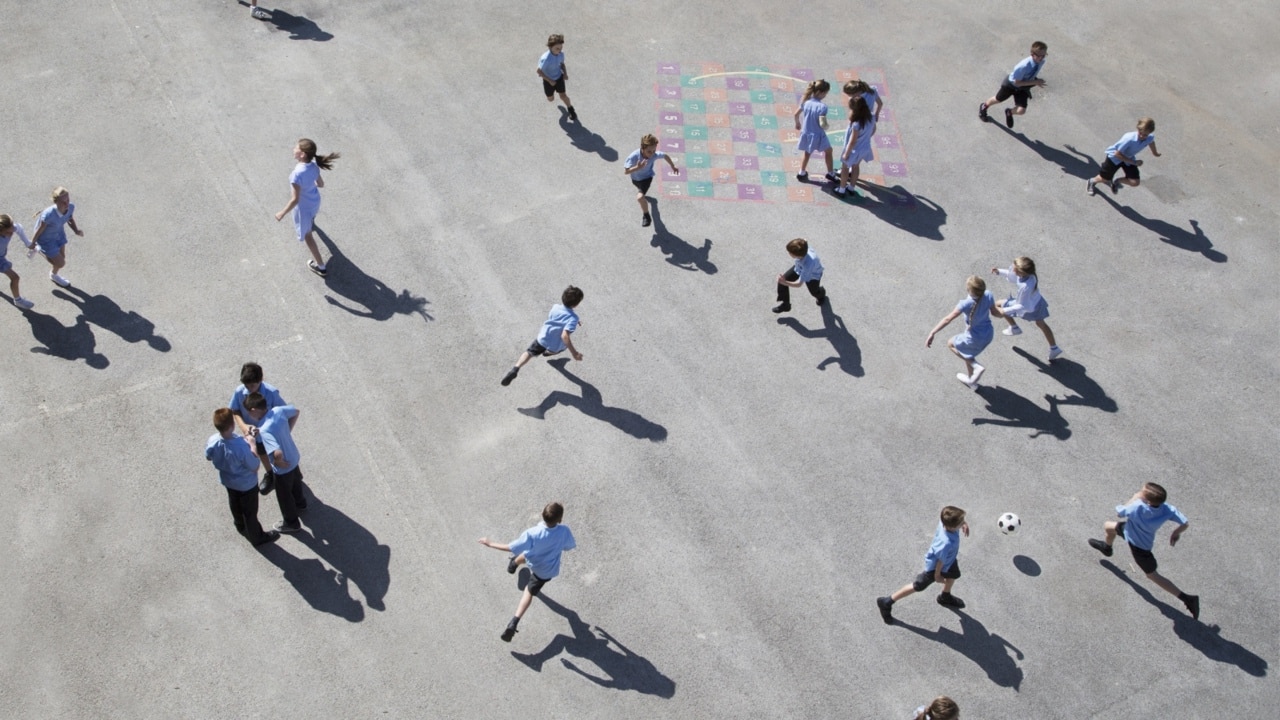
{"x":848,"y":357}
{"x":622,"y":669}
{"x":1073,"y":376}
{"x":592,"y":404}
{"x":380,"y":302}
{"x":351,"y":549}
{"x":106,"y":314}
{"x":585,"y":140}
{"x":1170,"y":234}
{"x":1018,"y":411}
{"x":298,"y":27}
{"x":1072,"y":161}
{"x":69,"y":343}
{"x":900,"y":208}
{"x":987,"y":651}
{"x":1205,"y":638}
{"x":325,"y":589}
{"x":680,"y":253}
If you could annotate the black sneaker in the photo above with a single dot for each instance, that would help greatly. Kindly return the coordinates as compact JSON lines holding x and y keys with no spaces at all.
{"x":1008,"y":117}
{"x":822,"y":301}
{"x":886,"y":609}
{"x":1193,"y":604}
{"x":284,"y":527}
{"x":949,"y":600}
{"x":802,"y":177}
{"x":321,"y":271}
{"x":646,"y":221}
{"x":783,"y":307}
{"x":267,"y":538}
{"x":573,"y":114}
{"x":831,"y":178}
{"x":511,"y":565}
{"x":506,"y":380}
{"x":1115,"y":187}
{"x":982,"y":113}
{"x":1101,"y":547}
{"x":509,"y":633}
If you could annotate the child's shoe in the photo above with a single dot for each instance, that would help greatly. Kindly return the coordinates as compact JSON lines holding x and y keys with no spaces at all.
{"x":1013,"y":330}
{"x":977,"y":373}
{"x":1101,"y":547}
{"x":511,"y":565}
{"x":573,"y":114}
{"x":1088,"y":188}
{"x":1115,"y":187}
{"x":968,"y":381}
{"x":510,"y":632}
{"x":886,"y":609}
{"x":1055,"y":352}
{"x":982,"y":113}
{"x":320,"y":270}
{"x":783,"y":307}
{"x":1008,"y":117}
{"x":59,"y":280}
{"x":23,"y":303}
{"x":946,"y":599}
{"x":831,"y":178}
{"x":645,"y":220}
{"x":802,"y":176}
{"x":260,"y":14}
{"x":506,"y":380}
{"x":841,"y":191}
{"x":822,"y":300}
{"x":1193,"y":605}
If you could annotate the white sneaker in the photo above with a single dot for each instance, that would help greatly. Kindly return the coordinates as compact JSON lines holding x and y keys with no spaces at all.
{"x":1055,"y":352}
{"x":969,"y":383}
{"x":1013,"y":330}
{"x":1088,"y":188}
{"x":23,"y":303}
{"x":977,"y":373}
{"x":260,"y":14}
{"x":59,"y":280}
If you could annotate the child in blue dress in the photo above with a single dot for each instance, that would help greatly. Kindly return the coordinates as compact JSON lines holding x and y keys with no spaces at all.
{"x":7,"y":229}
{"x":977,"y":307}
{"x":50,"y":235}
{"x":811,"y":121}
{"x":1028,"y":303}
{"x":305,"y":180}
{"x":860,"y":88}
{"x":1124,"y":154}
{"x":857,"y":145}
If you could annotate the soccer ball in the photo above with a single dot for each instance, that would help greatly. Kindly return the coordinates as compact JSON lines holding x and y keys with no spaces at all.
{"x":1009,"y":523}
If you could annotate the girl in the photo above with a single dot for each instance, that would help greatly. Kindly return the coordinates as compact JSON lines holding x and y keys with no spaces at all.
{"x":942,"y":708}
{"x":7,"y":229}
{"x":856,"y":88}
{"x":305,"y":203}
{"x":857,"y":145}
{"x":976,"y":307}
{"x":813,"y":134}
{"x":1028,"y":304}
{"x":50,"y":236}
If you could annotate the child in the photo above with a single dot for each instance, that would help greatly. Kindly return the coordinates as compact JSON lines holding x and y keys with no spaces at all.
{"x":50,"y":235}
{"x":305,"y":180}
{"x":1018,"y":84}
{"x":860,"y":88}
{"x":942,"y":708}
{"x":639,"y":166}
{"x":1028,"y":304}
{"x":251,"y":382}
{"x":1124,"y":154}
{"x":556,"y":333}
{"x":976,"y":307}
{"x":857,"y":145}
{"x":540,"y":547}
{"x":552,"y":70}
{"x":1143,"y":515}
{"x":939,"y":564}
{"x":275,"y":428}
{"x":238,"y":472}
{"x":807,"y":272}
{"x":7,"y":229}
{"x":811,"y":121}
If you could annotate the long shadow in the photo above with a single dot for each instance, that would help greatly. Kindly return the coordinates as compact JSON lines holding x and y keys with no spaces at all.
{"x":902,"y":209}
{"x":592,"y":404}
{"x":1194,"y":241}
{"x":1072,"y":161}
{"x":678,"y":252}
{"x":323,"y":588}
{"x":380,"y":302}
{"x":298,"y":27}
{"x":69,"y":343}
{"x":106,"y":314}
{"x":622,"y":669}
{"x":585,"y":140}
{"x":848,"y":357}
{"x":1205,"y":638}
{"x":987,"y":651}
{"x":1018,"y":411}
{"x":1073,"y":376}
{"x":352,"y":550}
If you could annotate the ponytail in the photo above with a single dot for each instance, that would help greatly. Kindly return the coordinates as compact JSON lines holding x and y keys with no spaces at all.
{"x":308,"y":147}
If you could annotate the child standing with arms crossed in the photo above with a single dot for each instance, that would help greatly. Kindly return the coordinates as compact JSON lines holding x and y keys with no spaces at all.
{"x":1028,"y":304}
{"x":1124,"y":154}
{"x":50,"y":235}
{"x":807,"y":272}
{"x":811,"y":121}
{"x":857,"y":145}
{"x":305,"y":181}
{"x":940,"y":564}
{"x":552,"y":70}
{"x":556,"y":333}
{"x":7,"y":229}
{"x":1018,"y":84}
{"x":639,"y":166}
{"x":977,"y":307}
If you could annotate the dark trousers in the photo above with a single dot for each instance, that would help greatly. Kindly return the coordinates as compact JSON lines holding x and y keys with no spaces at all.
{"x":244,"y":513}
{"x":289,"y":494}
{"x":815,"y":287}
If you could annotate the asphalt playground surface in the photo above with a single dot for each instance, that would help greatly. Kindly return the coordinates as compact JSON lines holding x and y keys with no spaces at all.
{"x":742,"y":486}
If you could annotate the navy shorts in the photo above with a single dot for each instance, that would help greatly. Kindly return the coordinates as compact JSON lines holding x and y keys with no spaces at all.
{"x":643,"y":185}
{"x":535,"y":584}
{"x":1109,"y":168}
{"x":925,"y":579}
{"x":1020,"y":94}
{"x":1145,"y":560}
{"x":553,"y":88}
{"x":535,"y":349}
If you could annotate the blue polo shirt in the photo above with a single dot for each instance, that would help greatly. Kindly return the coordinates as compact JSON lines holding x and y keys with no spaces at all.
{"x":542,"y":546}
{"x":275,"y":435}
{"x":809,"y":267}
{"x":1142,"y":521}
{"x":1026,"y":70}
{"x":945,"y":548}
{"x":561,"y":318}
{"x":1130,"y":146}
{"x":636,"y":158}
{"x":269,"y":393}
{"x":551,"y":64}
{"x":237,"y":467}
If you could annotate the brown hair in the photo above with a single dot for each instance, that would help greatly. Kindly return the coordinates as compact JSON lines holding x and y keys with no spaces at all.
{"x":859,"y":111}
{"x":1039,"y":47}
{"x":648,"y":141}
{"x":255,"y":401}
{"x":556,"y":39}
{"x":571,"y":297}
{"x":1155,"y":494}
{"x":223,"y":419}
{"x":552,"y":514}
{"x":1147,"y":125}
{"x":942,"y":708}
{"x":6,"y":222}
{"x":856,"y":87}
{"x":798,"y":247}
{"x":308,"y":146}
{"x":952,"y":517}
{"x":815,"y":87}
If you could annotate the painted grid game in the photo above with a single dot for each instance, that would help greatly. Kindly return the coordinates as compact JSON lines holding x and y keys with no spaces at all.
{"x":734,"y":138}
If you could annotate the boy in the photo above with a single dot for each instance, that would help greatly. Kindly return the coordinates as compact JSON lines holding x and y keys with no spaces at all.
{"x":1143,"y":515}
{"x":1018,"y":84}
{"x":939,"y":564}
{"x":639,"y":166}
{"x":251,"y":382}
{"x":807,"y":272}
{"x":7,"y":229}
{"x":540,"y":546}
{"x":1124,"y":154}
{"x":556,"y":333}
{"x":238,"y":472}
{"x":280,"y":456}
{"x":552,"y":70}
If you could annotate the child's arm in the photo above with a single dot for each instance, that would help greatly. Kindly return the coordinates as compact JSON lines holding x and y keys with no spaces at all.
{"x":564,"y":71}
{"x":1173,"y":537}
{"x":822,"y":121}
{"x":293,"y":202}
{"x":496,"y":546}
{"x":22,"y":235}
{"x":71,"y":221}
{"x":1154,"y":151}
{"x":40,"y":226}
{"x":848,"y":147}
{"x":319,"y":180}
{"x":797,"y":114}
{"x":875,"y":114}
{"x":941,"y":324}
{"x":567,"y":337}
{"x":789,"y":283}
{"x":637,"y":166}
{"x":672,"y":163}
{"x":996,"y":311}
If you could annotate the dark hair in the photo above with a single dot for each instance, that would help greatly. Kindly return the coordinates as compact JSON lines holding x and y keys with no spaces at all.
{"x":857,"y":87}
{"x":250,"y":372}
{"x":552,"y":514}
{"x":223,"y":419}
{"x":798,"y":247}
{"x":951,"y":517}
{"x":942,"y":708}
{"x":556,"y":39}
{"x":308,"y":146}
{"x":858,"y":110}
{"x":815,"y":87}
{"x":571,"y":297}
{"x":1155,"y":494}
{"x":255,"y":401}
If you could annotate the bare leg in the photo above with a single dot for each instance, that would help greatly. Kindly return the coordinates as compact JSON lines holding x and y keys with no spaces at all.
{"x":1044,"y":328}
{"x":905,"y":591}
{"x":968,"y":362}
{"x":525,"y":357}
{"x":827,"y":156}
{"x":13,"y":282}
{"x":310,"y":239}
{"x":804,"y":164}
{"x":644,"y":203}
{"x":1165,"y":583}
{"x":525,"y":601}
{"x":565,"y":98}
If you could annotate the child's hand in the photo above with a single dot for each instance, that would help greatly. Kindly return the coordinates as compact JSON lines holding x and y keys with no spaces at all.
{"x":279,"y":216}
{"x":576,"y":355}
{"x":964,"y":528}
{"x":1137,"y":162}
{"x":675,"y":170}
{"x":79,"y":233}
{"x":484,"y":541}
{"x":797,"y":124}
{"x":995,"y":271}
{"x":928,"y":342}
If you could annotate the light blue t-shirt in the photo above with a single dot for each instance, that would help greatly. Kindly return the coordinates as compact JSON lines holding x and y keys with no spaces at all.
{"x":305,"y":175}
{"x":542,"y":546}
{"x":1026,"y":70}
{"x":1130,"y":145}
{"x":559,"y":319}
{"x":269,"y":393}
{"x":237,"y":467}
{"x":1142,"y":521}
{"x":945,"y":548}
{"x":808,"y":267}
{"x":551,"y":64}
{"x":275,"y":435}
{"x":980,"y":317}
{"x":636,"y":158}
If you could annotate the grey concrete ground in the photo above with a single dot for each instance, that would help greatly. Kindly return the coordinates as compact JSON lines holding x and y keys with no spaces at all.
{"x":739,"y":501}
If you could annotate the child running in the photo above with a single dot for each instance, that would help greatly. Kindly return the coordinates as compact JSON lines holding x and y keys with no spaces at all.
{"x":556,"y":333}
{"x":811,"y":121}
{"x":306,"y":181}
{"x":540,"y":547}
{"x":857,"y":145}
{"x":1124,"y":154}
{"x":807,"y":271}
{"x":977,"y":307}
{"x":7,"y":229}
{"x":1018,"y":84}
{"x":940,"y":564}
{"x":552,"y":70}
{"x":639,"y":166}
{"x":1028,"y":303}
{"x":51,"y":236}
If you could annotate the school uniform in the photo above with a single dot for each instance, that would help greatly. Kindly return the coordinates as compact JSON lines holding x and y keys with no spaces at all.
{"x":812,"y":137}
{"x":807,"y":270}
{"x":305,"y":176}
{"x":978,"y":330}
{"x":54,"y":235}
{"x":1027,"y":303}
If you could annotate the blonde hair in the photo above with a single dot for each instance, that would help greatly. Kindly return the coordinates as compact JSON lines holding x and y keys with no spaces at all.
{"x":58,"y":192}
{"x":976,"y":286}
{"x":648,"y":140}
{"x":1147,"y":125}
